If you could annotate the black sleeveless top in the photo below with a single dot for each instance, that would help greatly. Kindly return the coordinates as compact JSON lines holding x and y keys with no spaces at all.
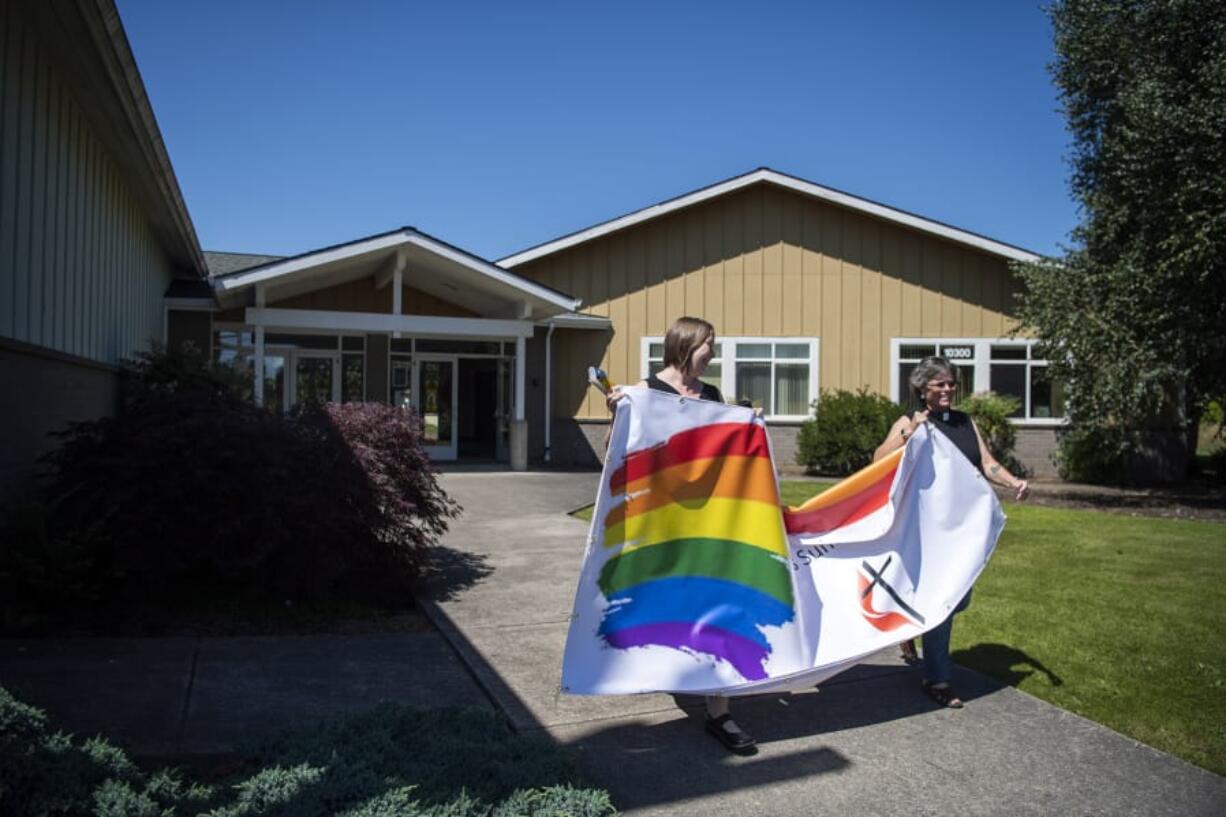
{"x":961,"y":432}
{"x":709,"y":392}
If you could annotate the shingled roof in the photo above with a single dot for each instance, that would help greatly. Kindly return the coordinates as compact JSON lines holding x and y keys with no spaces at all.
{"x":224,"y":263}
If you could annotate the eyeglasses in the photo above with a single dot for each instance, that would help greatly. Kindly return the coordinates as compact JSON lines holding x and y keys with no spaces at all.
{"x":944,"y":384}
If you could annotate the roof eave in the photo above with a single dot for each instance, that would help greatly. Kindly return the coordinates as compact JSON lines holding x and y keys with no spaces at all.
{"x":231,"y":284}
{"x":767,"y":175}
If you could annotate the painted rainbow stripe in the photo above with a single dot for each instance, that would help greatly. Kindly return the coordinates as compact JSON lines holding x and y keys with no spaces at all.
{"x":702,"y":553}
{"x":862,"y":493}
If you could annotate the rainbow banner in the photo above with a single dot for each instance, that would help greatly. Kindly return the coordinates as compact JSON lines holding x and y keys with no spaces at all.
{"x":697,"y":580}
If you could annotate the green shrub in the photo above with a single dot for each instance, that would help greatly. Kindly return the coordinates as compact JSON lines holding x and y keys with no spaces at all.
{"x":50,"y":773}
{"x":193,"y":493}
{"x":847,"y":429}
{"x":1118,"y":456}
{"x":991,"y":412}
{"x":392,"y":761}
{"x":1213,"y":414}
{"x":48,"y":562}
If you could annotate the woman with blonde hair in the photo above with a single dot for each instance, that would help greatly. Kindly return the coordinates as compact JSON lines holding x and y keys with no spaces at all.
{"x":689,"y":346}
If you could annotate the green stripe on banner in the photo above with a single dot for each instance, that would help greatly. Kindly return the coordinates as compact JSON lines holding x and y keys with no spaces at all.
{"x":711,"y":558}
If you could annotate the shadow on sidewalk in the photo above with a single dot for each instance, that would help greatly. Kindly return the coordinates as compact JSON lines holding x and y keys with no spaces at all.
{"x":658,"y":759}
{"x":1001,"y":661}
{"x":452,"y":572}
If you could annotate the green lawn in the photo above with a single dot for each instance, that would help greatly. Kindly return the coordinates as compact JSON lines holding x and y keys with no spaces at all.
{"x":1121,"y":619}
{"x":1117,"y":618}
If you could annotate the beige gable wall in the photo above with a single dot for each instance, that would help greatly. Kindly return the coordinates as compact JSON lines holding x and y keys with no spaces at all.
{"x":765,"y":261}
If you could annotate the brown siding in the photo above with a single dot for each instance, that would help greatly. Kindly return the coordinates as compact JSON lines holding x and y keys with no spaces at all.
{"x":767,"y":261}
{"x":361,"y":296}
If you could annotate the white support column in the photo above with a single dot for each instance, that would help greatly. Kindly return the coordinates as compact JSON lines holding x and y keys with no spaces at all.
{"x":520,"y":369}
{"x":258,"y":379}
{"x":519,"y":426}
{"x":549,"y":393}
{"x":397,"y":286}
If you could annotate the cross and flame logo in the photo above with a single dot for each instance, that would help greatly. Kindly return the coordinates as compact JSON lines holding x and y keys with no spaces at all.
{"x":871,"y":578}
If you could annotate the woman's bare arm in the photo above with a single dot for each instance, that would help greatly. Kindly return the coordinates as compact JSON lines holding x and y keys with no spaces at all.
{"x":997,"y":473}
{"x":896,"y":438}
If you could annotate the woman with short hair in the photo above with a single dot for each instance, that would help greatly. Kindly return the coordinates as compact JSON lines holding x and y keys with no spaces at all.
{"x":934,"y":381}
{"x":689,"y":346}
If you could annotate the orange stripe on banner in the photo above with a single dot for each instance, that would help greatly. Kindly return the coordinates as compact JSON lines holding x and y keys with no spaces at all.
{"x":694,"y":482}
{"x":849,"y":501}
{"x":701,"y":442}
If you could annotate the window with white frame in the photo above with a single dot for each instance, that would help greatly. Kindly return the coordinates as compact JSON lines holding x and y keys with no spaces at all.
{"x":778,"y":375}
{"x":234,"y":347}
{"x":1003,"y":365}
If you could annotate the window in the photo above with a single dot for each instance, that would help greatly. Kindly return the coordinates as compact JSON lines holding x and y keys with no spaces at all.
{"x":296,"y":366}
{"x":1004,"y":366}
{"x":353,"y":378}
{"x":778,"y":375}
{"x":1015,"y":372}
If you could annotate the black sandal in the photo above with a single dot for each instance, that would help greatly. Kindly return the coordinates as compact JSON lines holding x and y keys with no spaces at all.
{"x":909,"y":656}
{"x":738,"y":740}
{"x":943,"y":695}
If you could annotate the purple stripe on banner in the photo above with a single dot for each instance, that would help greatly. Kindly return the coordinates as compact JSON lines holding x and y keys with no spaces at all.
{"x":743,"y":654}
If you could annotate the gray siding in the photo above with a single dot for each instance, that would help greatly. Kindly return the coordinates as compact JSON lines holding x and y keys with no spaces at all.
{"x":81,"y":271}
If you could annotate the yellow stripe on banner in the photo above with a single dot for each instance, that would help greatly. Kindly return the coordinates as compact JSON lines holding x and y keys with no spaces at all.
{"x":751,"y":478}
{"x":854,"y":484}
{"x":757,"y":524}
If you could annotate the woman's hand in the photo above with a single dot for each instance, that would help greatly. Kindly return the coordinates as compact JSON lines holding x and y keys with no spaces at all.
{"x":612,"y":397}
{"x":917,"y":419}
{"x":1023,"y":490}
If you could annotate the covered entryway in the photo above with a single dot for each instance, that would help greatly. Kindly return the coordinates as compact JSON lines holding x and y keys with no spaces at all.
{"x":402,"y":318}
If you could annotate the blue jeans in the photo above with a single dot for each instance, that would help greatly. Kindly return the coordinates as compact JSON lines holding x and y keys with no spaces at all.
{"x":938,"y":668}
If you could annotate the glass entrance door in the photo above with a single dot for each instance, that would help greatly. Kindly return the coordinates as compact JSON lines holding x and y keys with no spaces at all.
{"x":435,"y":399}
{"x":315,"y":378}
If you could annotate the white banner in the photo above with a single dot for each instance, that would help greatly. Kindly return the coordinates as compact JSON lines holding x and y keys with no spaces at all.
{"x":696,"y":580}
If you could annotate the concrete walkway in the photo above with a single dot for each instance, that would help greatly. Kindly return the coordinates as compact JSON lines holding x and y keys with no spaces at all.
{"x":169,"y":697}
{"x":867,"y":743}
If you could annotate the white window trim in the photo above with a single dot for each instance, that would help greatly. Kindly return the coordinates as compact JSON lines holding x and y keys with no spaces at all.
{"x":727,"y":383}
{"x":983,"y":362}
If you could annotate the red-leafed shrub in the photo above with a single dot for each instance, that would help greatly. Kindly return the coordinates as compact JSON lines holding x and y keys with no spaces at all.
{"x":192,"y":490}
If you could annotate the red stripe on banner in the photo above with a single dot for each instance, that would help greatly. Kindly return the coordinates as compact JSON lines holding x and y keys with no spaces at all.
{"x":844,"y":512}
{"x":704,"y":442}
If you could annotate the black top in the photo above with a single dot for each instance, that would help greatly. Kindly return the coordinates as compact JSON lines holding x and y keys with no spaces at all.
{"x":959,"y":429}
{"x":709,"y":392}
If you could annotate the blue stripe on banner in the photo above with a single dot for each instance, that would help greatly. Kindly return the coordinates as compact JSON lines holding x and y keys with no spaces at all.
{"x":699,"y":601}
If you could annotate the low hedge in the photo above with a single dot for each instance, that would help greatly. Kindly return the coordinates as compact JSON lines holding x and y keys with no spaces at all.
{"x":390,"y":761}
{"x":847,"y":428}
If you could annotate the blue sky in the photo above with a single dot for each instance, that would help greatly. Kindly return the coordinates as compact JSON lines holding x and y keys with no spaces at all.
{"x":496,"y":126}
